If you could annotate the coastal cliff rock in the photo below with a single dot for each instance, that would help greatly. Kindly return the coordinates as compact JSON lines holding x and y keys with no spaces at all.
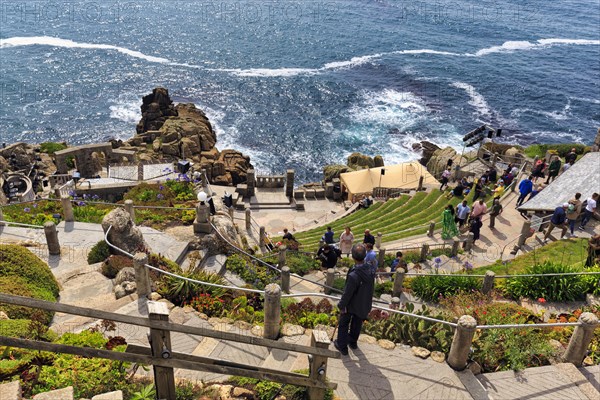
{"x":156,"y":108}
{"x":21,"y":156}
{"x":439,"y":159}
{"x":427,"y":149}
{"x":170,"y":132}
{"x":358,"y":161}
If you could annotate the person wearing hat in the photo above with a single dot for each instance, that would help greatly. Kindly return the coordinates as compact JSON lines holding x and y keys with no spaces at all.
{"x":559,"y":219}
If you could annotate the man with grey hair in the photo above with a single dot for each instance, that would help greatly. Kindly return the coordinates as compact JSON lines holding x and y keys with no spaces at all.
{"x":356,"y":301}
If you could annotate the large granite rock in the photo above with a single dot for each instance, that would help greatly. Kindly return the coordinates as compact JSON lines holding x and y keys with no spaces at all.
{"x":214,"y":243}
{"x":156,"y":108}
{"x":123,"y":233}
{"x":331,"y":172}
{"x":427,"y":149}
{"x":169,"y":133}
{"x":360,"y":161}
{"x":437,"y":162}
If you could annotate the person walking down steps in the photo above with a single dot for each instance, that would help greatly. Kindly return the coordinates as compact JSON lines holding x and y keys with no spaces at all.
{"x":356,"y":302}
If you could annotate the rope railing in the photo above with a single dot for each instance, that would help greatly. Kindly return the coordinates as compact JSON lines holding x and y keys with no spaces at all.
{"x":19,"y":224}
{"x":387,"y":309}
{"x":513,"y":326}
{"x":112,"y":246}
{"x":496,"y":276}
{"x":252,"y":257}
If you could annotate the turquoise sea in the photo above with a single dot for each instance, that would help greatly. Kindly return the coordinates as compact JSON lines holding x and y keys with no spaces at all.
{"x":300,"y":84}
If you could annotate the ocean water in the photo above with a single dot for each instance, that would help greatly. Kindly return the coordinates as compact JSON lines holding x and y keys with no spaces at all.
{"x":301,"y":84}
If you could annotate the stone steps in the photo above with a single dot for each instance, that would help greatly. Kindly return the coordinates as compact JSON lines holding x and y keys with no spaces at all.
{"x":560,"y":381}
{"x":12,"y":391}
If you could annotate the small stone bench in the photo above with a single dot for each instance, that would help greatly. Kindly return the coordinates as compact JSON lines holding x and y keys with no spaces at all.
{"x":320,"y":193}
{"x":300,"y":205}
{"x":310,"y":193}
{"x":299,"y":194}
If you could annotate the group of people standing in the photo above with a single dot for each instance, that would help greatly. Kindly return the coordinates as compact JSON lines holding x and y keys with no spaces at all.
{"x":465,"y":217}
{"x":329,"y":253}
{"x":565,"y":216}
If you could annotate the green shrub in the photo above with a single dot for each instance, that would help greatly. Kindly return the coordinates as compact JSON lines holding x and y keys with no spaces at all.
{"x":432,"y":287}
{"x":180,"y":291}
{"x":592,"y":282}
{"x":410,"y":330}
{"x":562,"y":149}
{"x":301,"y":264}
{"x":115,"y":263}
{"x":52,"y":147}
{"x":382,"y":288}
{"x":98,"y":253}
{"x":258,"y":276}
{"x":23,"y":274}
{"x":88,"y":376}
{"x":18,"y":328}
{"x":550,"y":288}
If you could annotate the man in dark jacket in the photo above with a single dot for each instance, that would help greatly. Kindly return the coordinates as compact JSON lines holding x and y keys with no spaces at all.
{"x":368,"y":238}
{"x":356,"y":301}
{"x":328,"y":255}
{"x":558,"y":219}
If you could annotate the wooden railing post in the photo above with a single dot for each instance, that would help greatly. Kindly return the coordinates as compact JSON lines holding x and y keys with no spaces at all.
{"x":130,"y":210}
{"x":282,"y":255}
{"x":525,"y":230}
{"x":581,"y":338}
{"x":431,"y":229}
{"x":329,"y":278}
{"x":262,"y":235}
{"x":488,"y":282}
{"x":160,"y":343}
{"x":461,"y":343}
{"x":378,"y":240}
{"x":398,"y":281}
{"x":248,"y":219}
{"x":455,"y":245}
{"x":285,"y":279}
{"x":469,"y":242}
{"x":381,"y":257}
{"x":420,"y":187}
{"x":142,"y":281}
{"x":318,"y":364}
{"x":424,"y":252}
{"x":272,"y":311}
{"x":67,"y":207}
{"x":52,"y":238}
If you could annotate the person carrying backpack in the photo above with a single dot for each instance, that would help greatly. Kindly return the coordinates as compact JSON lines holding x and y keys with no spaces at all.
{"x":573,"y":212}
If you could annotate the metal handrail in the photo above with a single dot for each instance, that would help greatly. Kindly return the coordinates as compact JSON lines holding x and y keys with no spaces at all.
{"x":175,"y":275}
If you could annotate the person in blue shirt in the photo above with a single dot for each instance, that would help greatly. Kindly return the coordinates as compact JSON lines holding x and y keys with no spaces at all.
{"x":399,"y":263}
{"x":462,"y":213}
{"x":525,"y":187}
{"x":371,"y":258}
{"x":559,"y":219}
{"x":328,"y":236}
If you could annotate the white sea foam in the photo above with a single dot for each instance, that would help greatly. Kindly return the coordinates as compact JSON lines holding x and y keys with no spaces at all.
{"x":126,"y":111}
{"x":585,"y":99}
{"x":523,"y":45}
{"x":476,"y":99}
{"x":506,"y":47}
{"x":267,"y":72}
{"x":390,"y":108}
{"x":353,"y":62}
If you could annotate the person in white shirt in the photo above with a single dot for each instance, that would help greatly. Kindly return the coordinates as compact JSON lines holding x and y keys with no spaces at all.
{"x":589,"y":210}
